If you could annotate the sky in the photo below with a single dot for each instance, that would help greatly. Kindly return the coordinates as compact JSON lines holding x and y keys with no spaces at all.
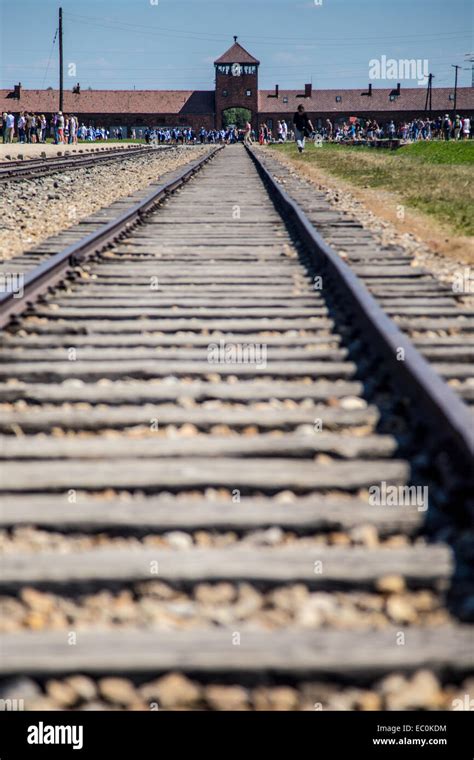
{"x":172,"y":44}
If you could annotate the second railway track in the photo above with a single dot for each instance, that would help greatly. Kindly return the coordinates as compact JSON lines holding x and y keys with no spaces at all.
{"x":192,"y":437}
{"x":42,"y":167}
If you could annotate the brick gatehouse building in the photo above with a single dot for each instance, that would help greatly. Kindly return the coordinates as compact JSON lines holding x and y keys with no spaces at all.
{"x":236,"y":86}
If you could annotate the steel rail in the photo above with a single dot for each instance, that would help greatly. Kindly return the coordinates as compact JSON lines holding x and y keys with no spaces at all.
{"x":445,"y":415}
{"x":81,"y":153}
{"x":54,"y":269}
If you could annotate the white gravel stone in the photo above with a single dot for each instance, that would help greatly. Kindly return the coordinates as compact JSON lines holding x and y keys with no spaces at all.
{"x":179,"y":540}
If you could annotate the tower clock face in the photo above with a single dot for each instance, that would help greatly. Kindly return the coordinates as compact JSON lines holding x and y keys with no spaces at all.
{"x":236,"y":69}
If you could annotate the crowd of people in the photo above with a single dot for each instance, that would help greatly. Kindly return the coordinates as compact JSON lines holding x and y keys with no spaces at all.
{"x":29,"y":127}
{"x":189,"y":136}
{"x":65,"y":128}
{"x":422,"y":128}
{"x":35,"y":128}
{"x":61,"y":128}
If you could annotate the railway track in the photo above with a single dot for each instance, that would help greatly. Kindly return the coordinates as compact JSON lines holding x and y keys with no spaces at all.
{"x":42,"y":167}
{"x":194,"y":440}
{"x":437,"y":319}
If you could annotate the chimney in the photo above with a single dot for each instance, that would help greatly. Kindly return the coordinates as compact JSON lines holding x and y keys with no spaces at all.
{"x":398,"y":88}
{"x":277,"y":90}
{"x":308,"y":90}
{"x":17,"y":91}
{"x":370,"y":90}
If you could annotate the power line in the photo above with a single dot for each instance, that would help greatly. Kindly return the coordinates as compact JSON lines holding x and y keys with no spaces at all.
{"x":49,"y":60}
{"x":302,"y":42}
{"x":356,"y":66}
{"x":206,"y":35}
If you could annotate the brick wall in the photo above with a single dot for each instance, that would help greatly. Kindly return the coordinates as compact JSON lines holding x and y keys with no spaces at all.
{"x":148,"y":120}
{"x":236,"y":88}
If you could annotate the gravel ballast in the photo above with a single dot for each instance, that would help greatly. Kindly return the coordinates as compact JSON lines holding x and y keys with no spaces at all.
{"x":340,"y":197}
{"x":176,"y":691}
{"x":35,"y":209}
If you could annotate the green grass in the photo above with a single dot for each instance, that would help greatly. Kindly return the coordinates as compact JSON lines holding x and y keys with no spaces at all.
{"x":434,"y":178}
{"x":459,"y":152}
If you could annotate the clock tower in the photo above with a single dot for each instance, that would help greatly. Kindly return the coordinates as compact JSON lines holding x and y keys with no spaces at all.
{"x":236,"y":83}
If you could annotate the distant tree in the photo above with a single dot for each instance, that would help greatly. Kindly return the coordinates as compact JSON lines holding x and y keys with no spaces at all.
{"x":237,"y":116}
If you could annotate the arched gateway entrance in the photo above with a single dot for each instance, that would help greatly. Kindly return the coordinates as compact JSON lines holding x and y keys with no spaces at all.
{"x":237,"y":117}
{"x":236,"y":94}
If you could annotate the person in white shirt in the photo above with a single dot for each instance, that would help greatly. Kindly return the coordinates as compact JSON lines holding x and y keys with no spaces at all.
{"x":248,"y":133}
{"x":466,"y":128}
{"x":21,"y":128}
{"x":43,"y":127}
{"x":61,"y":126}
{"x":284,"y":130}
{"x":10,"y":127}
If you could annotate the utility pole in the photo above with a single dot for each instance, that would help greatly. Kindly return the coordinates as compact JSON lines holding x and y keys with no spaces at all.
{"x":61,"y":83}
{"x":456,"y":67}
{"x":470,"y":59}
{"x":428,"y":102}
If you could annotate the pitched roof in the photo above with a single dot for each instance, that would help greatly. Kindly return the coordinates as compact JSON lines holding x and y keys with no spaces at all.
{"x":200,"y":102}
{"x":113,"y":101}
{"x":353,"y":102}
{"x":237,"y":54}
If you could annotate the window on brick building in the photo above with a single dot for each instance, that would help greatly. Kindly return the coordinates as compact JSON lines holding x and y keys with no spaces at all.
{"x":224,"y":93}
{"x":248,"y":93}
